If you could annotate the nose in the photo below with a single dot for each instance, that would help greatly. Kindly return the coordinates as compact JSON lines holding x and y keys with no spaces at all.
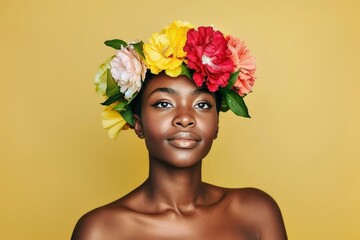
{"x":184,"y":119}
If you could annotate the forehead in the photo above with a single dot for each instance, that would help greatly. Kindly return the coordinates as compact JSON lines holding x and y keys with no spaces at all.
{"x":163,"y":80}
{"x":180,"y":85}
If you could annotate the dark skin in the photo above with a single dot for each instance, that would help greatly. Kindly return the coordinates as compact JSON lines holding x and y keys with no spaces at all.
{"x":179,"y":123}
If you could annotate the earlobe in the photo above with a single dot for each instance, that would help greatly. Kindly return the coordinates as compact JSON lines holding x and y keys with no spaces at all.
{"x":137,"y":126}
{"x":217,"y":128}
{"x":216,"y":133}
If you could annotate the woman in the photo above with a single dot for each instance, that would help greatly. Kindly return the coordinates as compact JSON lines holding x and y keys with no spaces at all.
{"x":178,"y":118}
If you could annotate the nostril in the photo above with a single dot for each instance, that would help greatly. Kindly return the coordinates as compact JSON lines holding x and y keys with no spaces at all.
{"x":184,"y":119}
{"x":185,"y":122}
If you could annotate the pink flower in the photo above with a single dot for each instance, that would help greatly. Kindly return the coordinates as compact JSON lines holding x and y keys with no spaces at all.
{"x":209,"y":55}
{"x":244,"y":62}
{"x":128,"y":71}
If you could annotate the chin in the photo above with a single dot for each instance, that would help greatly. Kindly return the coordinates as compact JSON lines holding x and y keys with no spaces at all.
{"x":184,"y":160}
{"x":184,"y":163}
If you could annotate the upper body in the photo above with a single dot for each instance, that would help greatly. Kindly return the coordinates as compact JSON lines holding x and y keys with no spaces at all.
{"x":242,"y":214}
{"x":179,"y":122}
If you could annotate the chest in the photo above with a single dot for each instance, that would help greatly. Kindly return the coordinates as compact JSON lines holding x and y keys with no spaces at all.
{"x":206,"y":226}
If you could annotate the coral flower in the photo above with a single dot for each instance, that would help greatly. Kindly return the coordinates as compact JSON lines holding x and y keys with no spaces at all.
{"x":209,"y":55}
{"x":113,"y":122}
{"x":244,"y":62}
{"x":165,"y":49}
{"x":128,"y":71}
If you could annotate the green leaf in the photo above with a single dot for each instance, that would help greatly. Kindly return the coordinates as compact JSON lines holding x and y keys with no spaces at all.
{"x":112,"y":88}
{"x":128,"y":116}
{"x":231,"y":83}
{"x":236,"y":104}
{"x":121,"y":106}
{"x":132,"y":98}
{"x":115,"y":43}
{"x":185,"y":71}
{"x":139,"y":48}
{"x":224,"y":107}
{"x":112,"y":99}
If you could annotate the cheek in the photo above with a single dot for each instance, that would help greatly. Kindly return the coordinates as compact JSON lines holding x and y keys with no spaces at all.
{"x":153,"y":126}
{"x":154,"y":131}
{"x":209,"y":126}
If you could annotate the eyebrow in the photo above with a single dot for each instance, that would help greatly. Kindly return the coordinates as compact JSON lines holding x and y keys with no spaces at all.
{"x":199,"y":91}
{"x":195,"y":92}
{"x":164,"y":90}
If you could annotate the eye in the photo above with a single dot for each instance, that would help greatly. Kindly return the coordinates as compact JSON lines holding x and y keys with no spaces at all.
{"x":162,"y":104}
{"x":203,"y":105}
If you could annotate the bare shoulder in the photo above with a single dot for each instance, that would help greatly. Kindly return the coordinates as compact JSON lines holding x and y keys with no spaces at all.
{"x":113,"y":219}
{"x":101,"y":223}
{"x":260,"y":210}
{"x":253,"y":199}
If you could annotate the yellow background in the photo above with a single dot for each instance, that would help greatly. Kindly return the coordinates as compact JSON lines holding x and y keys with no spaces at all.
{"x":301,"y":145}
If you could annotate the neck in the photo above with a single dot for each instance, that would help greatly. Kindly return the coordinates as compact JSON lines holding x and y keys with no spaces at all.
{"x":174,"y":188}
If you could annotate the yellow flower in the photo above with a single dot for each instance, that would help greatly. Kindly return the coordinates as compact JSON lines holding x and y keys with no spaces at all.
{"x":100,"y":77}
{"x":165,"y":49}
{"x":113,"y":121}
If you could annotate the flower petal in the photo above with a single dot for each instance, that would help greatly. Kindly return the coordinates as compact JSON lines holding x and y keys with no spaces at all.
{"x":112,"y":121}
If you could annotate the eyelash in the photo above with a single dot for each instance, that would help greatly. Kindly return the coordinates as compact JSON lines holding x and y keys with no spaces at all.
{"x":208,"y":105}
{"x":163,"y":104}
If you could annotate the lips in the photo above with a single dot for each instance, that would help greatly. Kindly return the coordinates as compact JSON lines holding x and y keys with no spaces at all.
{"x":185,"y":140}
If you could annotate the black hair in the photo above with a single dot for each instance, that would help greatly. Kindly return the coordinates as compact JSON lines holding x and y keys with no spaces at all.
{"x":136,"y":102}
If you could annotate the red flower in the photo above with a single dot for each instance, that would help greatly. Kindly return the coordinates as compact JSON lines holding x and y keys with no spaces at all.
{"x":209,"y":55}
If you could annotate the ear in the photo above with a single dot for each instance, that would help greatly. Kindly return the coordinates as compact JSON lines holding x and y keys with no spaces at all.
{"x":138,"y":127}
{"x":217,"y":129}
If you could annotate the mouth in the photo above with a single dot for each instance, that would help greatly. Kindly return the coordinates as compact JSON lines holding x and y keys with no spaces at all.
{"x":184,"y":140}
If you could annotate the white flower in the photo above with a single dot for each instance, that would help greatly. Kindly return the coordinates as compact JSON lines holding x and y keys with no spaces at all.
{"x":128,"y":71}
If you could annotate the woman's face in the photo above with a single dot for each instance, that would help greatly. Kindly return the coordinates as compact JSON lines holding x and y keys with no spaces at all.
{"x":178,"y":120}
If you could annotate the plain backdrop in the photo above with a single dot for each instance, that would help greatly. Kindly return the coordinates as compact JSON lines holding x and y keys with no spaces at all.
{"x":301,"y":144}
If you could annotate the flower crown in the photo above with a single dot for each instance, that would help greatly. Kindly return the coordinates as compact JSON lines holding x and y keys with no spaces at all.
{"x":205,"y":55}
